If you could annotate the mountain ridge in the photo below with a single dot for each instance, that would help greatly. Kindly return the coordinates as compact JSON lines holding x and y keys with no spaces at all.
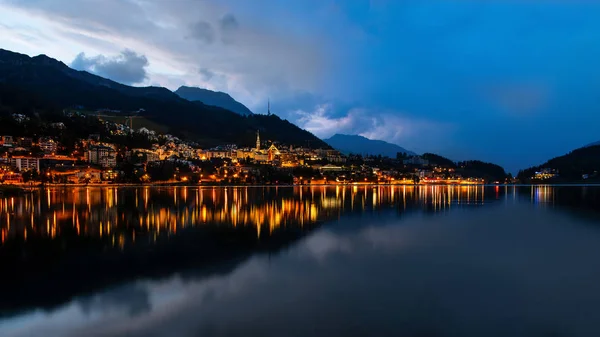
{"x":362,"y":145}
{"x":214,"y":98}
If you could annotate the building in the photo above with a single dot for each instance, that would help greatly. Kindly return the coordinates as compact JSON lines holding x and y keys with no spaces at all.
{"x":245,"y":154}
{"x":6,"y":140}
{"x":186,"y":152}
{"x":25,"y":163}
{"x":546,"y":173}
{"x":56,"y":160}
{"x":150,"y":155}
{"x":12,"y":178}
{"x":102,"y":155}
{"x":331,"y":168}
{"x":257,"y":140}
{"x":217,"y":154}
{"x":89,"y":175}
{"x":334,"y":156}
{"x":261,"y":157}
{"x":110,"y":175}
{"x":416,"y":160}
{"x":48,"y":145}
{"x":26,"y":142}
{"x":272,"y":153}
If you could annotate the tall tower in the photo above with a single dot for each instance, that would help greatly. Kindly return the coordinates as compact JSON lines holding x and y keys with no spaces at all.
{"x":269,"y":107}
{"x":257,"y":140}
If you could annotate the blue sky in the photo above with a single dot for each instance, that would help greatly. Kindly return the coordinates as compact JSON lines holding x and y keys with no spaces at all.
{"x":513,"y":82}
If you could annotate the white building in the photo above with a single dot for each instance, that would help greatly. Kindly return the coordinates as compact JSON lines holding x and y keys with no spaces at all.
{"x":416,"y":160}
{"x":25,"y":163}
{"x":102,"y":155}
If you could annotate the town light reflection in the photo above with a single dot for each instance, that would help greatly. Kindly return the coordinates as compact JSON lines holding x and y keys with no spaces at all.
{"x":120,"y":215}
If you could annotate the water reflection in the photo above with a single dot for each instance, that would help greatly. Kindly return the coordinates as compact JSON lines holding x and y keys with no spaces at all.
{"x":131,"y":300}
{"x":542,"y":194}
{"x":411,"y":261}
{"x":123,"y":214}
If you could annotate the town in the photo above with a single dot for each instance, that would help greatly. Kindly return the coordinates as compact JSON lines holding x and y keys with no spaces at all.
{"x":120,"y":154}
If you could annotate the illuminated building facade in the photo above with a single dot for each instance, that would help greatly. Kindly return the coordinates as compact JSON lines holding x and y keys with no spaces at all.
{"x":25,"y":163}
{"x":48,"y":145}
{"x":102,"y":155}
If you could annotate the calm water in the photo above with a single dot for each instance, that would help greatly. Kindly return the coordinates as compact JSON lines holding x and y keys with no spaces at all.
{"x":335,"y":261}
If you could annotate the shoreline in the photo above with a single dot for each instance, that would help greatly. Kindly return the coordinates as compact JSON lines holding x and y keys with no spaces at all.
{"x":11,"y":189}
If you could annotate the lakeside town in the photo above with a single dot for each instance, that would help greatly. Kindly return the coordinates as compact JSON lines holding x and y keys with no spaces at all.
{"x":166,"y":159}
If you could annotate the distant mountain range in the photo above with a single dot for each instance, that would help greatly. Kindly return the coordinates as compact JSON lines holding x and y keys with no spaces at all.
{"x":58,"y":86}
{"x":364,"y":146}
{"x":214,"y":98}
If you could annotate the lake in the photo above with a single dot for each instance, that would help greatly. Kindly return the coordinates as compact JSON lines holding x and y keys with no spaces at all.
{"x":301,"y":261}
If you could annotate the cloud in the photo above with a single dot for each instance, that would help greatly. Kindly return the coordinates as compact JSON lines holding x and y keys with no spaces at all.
{"x":229,"y":27}
{"x":391,"y":126}
{"x":448,"y":62}
{"x":322,"y":124}
{"x":228,"y":23}
{"x":266,"y":60}
{"x":203,"y":32}
{"x":128,"y":67}
{"x":207,"y":75}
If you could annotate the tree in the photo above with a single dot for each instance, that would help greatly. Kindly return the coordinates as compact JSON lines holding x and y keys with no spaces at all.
{"x":438,"y":160}
{"x":30,"y":175}
{"x":161,"y":171}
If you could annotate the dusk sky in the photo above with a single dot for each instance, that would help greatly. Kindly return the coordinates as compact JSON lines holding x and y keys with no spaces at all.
{"x":512,"y":82}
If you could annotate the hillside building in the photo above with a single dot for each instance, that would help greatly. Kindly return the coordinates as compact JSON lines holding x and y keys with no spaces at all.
{"x":102,"y":155}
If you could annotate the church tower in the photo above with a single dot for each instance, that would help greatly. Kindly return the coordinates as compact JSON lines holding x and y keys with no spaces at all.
{"x":257,"y":140}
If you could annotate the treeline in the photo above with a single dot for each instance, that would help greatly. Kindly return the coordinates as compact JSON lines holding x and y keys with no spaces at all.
{"x":438,"y":160}
{"x":470,"y":168}
{"x":479,"y":169}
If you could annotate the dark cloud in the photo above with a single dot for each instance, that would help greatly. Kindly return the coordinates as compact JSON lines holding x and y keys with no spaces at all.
{"x":203,"y":31}
{"x":127,"y":67}
{"x":207,"y":74}
{"x":228,"y":23}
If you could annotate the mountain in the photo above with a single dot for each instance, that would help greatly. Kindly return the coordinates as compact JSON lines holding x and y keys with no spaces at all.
{"x":570,"y":167}
{"x":469,"y":168}
{"x":214,"y":98}
{"x":361,"y":145}
{"x":37,"y":67}
{"x":55,"y":83}
{"x":593,"y":144}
